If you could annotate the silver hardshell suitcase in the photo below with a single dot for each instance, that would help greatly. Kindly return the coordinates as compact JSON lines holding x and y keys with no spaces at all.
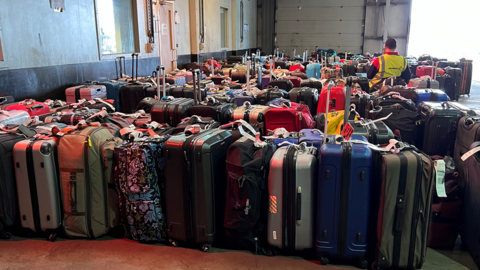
{"x":291,"y":186}
{"x":38,"y":186}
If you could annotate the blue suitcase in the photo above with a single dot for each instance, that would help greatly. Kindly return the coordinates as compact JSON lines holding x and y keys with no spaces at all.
{"x":293,"y":138}
{"x":431,"y":95}
{"x":343,"y":202}
{"x":313,"y":137}
{"x":241,"y":99}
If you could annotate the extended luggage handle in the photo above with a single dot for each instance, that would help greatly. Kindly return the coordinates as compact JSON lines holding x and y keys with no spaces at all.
{"x":135,"y":65}
{"x":196,"y":86}
{"x":119,"y":68}
{"x":330,"y":85}
{"x":164,"y":87}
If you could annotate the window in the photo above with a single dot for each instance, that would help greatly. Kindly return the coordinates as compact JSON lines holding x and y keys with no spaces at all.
{"x":1,"y":51}
{"x":223,"y":27}
{"x":116,"y":26}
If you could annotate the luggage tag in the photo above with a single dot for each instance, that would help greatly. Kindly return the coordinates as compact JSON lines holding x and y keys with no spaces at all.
{"x":470,"y":153}
{"x":374,"y":121}
{"x":440,"y":177}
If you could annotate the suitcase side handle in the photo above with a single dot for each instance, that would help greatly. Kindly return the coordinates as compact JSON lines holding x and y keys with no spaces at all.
{"x":299,"y":206}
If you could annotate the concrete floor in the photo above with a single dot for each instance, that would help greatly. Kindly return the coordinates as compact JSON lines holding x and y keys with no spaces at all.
{"x":110,"y":253}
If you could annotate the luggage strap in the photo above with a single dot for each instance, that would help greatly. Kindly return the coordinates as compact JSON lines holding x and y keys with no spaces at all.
{"x":399,"y":211}
{"x":257,"y":141}
{"x":106,"y":103}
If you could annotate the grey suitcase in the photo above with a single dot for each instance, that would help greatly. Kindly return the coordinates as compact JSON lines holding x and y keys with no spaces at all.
{"x":291,"y":186}
{"x":38,"y":191}
{"x":13,"y":117}
{"x":424,"y":84}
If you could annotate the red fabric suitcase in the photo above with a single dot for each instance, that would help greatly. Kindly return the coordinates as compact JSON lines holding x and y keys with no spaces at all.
{"x":297,"y":67}
{"x":297,"y":81}
{"x":293,"y":118}
{"x":337,"y":99}
{"x":32,"y":107}
{"x":428,"y":71}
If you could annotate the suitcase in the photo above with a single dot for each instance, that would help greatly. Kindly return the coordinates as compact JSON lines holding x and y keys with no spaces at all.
{"x":189,"y":93}
{"x":312,"y":137}
{"x":361,"y":101}
{"x":300,"y":75}
{"x":457,"y":74}
{"x":297,"y":67}
{"x":296,"y":81}
{"x":223,"y":98}
{"x":406,"y":92}
{"x":312,"y":84}
{"x":13,"y":117}
{"x":291,"y":186}
{"x":363,"y":82}
{"x":374,"y":132}
{"x":401,"y":214}
{"x":462,"y":108}
{"x":270,"y":94}
{"x":132,"y":93}
{"x":32,"y":107}
{"x":142,"y":202}
{"x":88,"y":92}
{"x":444,"y":64}
{"x":343,"y":201}
{"x":304,"y":95}
{"x":468,"y":133}
{"x":336,"y":101}
{"x":6,"y":99}
{"x":171,"y":111}
{"x":349,"y":70}
{"x":467,"y":69}
{"x":313,"y":71}
{"x":38,"y":193}
{"x":240,"y":100}
{"x":218,"y":111}
{"x":245,"y":204}
{"x":447,"y":85}
{"x":238,"y":76}
{"x":253,"y":114}
{"x":90,"y":207}
{"x":290,"y":138}
{"x":146,"y":104}
{"x":389,"y":100}
{"x":194,"y":202}
{"x":471,"y":222}
{"x":426,"y":71}
{"x":234,"y":59}
{"x":440,"y":130}
{"x":431,"y":95}
{"x":293,"y":117}
{"x":283,"y":84}
{"x":71,"y":118}
{"x":422,"y":84}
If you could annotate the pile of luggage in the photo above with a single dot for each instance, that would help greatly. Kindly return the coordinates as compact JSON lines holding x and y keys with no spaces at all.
{"x":262,"y":157}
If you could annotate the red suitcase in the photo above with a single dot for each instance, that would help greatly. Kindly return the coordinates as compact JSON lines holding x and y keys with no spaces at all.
{"x":32,"y":107}
{"x":337,"y":99}
{"x":428,"y":71}
{"x":297,"y":81}
{"x":297,"y":67}
{"x":292,"y":117}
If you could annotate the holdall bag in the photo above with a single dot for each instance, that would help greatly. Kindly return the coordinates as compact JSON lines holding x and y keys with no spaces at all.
{"x":253,"y":114}
{"x":431,"y":95}
{"x":343,"y":201}
{"x":440,"y":128}
{"x":407,"y":122}
{"x":6,"y":99}
{"x":291,"y":187}
{"x":468,"y":133}
{"x":291,"y":116}
{"x":32,"y":107}
{"x":38,"y":186}
{"x":196,"y":190}
{"x":401,"y":203}
{"x":246,"y":201}
{"x":408,"y":93}
{"x":90,"y":209}
{"x":447,"y":85}
{"x":336,"y":99}
{"x":374,"y":132}
{"x":142,"y":193}
{"x":392,"y":99}
{"x":304,"y":95}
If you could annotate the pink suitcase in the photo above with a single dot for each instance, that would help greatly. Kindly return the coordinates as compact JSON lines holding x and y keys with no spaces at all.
{"x":88,"y":92}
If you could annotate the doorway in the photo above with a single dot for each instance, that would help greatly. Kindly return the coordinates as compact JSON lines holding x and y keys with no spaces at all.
{"x":168,"y":50}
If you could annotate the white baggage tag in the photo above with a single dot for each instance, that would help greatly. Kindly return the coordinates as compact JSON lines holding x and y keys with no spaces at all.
{"x":376,"y":120}
{"x":440,"y":177}
{"x":470,"y":153}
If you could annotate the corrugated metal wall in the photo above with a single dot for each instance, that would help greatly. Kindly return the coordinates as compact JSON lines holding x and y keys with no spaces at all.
{"x":328,"y":24}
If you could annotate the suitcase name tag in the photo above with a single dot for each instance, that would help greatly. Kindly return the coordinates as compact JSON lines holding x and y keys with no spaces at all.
{"x":440,"y":178}
{"x":470,"y":153}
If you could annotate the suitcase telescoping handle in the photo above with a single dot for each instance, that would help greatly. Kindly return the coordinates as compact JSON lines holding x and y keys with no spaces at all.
{"x":164,"y":88}
{"x":299,"y":206}
{"x":249,"y":63}
{"x":121,"y":68}
{"x":196,"y":86}
{"x":135,"y":65}
{"x":348,"y":90}
{"x":330,"y":85}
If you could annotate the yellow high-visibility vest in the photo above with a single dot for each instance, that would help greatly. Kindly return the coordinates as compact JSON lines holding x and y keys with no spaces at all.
{"x":389,"y":65}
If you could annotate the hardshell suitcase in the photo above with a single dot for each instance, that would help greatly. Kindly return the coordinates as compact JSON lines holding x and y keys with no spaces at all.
{"x":304,"y":95}
{"x":32,"y":107}
{"x":401,"y":211}
{"x":422,"y":84}
{"x":194,"y":170}
{"x":130,"y":95}
{"x":219,"y":111}
{"x":312,"y":137}
{"x":88,"y":92}
{"x":343,"y":200}
{"x":269,"y":94}
{"x":253,"y":114}
{"x":313,"y":71}
{"x":468,"y":133}
{"x":296,"y":81}
{"x":88,"y":210}
{"x":283,"y":84}
{"x":38,"y":186}
{"x":467,"y":69}
{"x":430,"y":95}
{"x":457,"y":74}
{"x":374,"y":132}
{"x":239,"y":100}
{"x":171,"y":111}
{"x":336,"y":101}
{"x":6,"y":99}
{"x":447,"y":85}
{"x":13,"y":117}
{"x":312,"y":84}
{"x":291,"y":186}
{"x":441,"y":124}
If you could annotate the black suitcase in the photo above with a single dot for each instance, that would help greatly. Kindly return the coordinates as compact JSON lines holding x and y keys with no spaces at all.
{"x":363,"y":82}
{"x":305,"y":95}
{"x":234,"y":59}
{"x":349,"y":70}
{"x":284,"y":84}
{"x":6,"y":99}
{"x":457,"y":74}
{"x":213,"y":108}
{"x":238,"y":76}
{"x":171,"y":111}
{"x":468,"y":133}
{"x":440,"y":128}
{"x":447,"y":85}
{"x":267,"y":95}
{"x":361,"y":101}
{"x":133,"y":92}
{"x":375,"y":132}
{"x":444,"y":64}
{"x":204,"y":123}
{"x":466,"y":66}
{"x":312,"y":84}
{"x":195,"y":170}
{"x":389,"y":100}
{"x":281,"y":64}
{"x":146,"y":104}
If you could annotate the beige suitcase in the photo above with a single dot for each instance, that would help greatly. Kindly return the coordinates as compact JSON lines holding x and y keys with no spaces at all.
{"x":254,"y":114}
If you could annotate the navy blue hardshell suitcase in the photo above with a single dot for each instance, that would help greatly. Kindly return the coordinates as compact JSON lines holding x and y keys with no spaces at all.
{"x":430,"y":95}
{"x":293,"y":138}
{"x":313,"y":137}
{"x":343,"y":204}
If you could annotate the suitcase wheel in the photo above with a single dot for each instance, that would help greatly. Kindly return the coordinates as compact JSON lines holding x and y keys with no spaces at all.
{"x":376,"y":267}
{"x":52,"y":237}
{"x":206,"y":247}
{"x":362,"y":263}
{"x":173,"y":242}
{"x":323,"y":260}
{"x":5,"y":235}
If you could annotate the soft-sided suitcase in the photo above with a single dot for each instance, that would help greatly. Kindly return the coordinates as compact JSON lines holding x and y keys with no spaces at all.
{"x":467,"y":69}
{"x":270,"y":94}
{"x":361,"y":100}
{"x":336,"y":100}
{"x":431,"y":95}
{"x":291,"y":208}
{"x":374,"y":132}
{"x":343,"y":200}
{"x":441,"y":124}
{"x":32,"y":107}
{"x":291,"y":116}
{"x":239,"y":100}
{"x":6,"y":99}
{"x":194,"y":172}
{"x":315,"y":84}
{"x":283,"y":84}
{"x":296,"y":81}
{"x":363,"y":82}
{"x":447,"y":85}
{"x":13,"y":117}
{"x":401,"y":208}
{"x":468,"y":133}
{"x":90,"y":209}
{"x":253,"y":114}
{"x":297,"y":67}
{"x":391,"y":99}
{"x":38,"y":186}
{"x":171,"y":111}
{"x":471,"y":206}
{"x":146,"y":104}
{"x":349,"y":70}
{"x":304,"y":95}
{"x":300,"y":75}
{"x":457,"y":74}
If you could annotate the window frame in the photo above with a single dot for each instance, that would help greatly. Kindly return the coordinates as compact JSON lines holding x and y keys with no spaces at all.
{"x":3,"y":58}
{"x":227,"y":28}
{"x":135,"y":33}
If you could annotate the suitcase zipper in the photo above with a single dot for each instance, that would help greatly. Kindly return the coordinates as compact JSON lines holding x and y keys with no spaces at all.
{"x":344,"y":198}
{"x":288,"y":198}
{"x":417,"y":211}
{"x":104,"y":163}
{"x":33,"y":187}
{"x":88,"y":189}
